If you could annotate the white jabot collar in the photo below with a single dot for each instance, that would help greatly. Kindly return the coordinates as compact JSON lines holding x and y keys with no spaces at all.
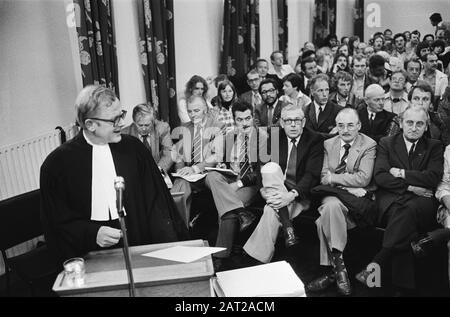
{"x":103,"y":204}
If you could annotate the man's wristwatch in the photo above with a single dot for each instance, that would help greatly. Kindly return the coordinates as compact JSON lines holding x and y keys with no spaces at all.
{"x":240,"y":184}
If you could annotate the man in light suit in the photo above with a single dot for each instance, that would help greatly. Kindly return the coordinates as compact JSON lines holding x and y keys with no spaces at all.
{"x":252,"y":97}
{"x":348,"y":164}
{"x":232,"y":193}
{"x":199,"y":146}
{"x":153,"y":133}
{"x":286,"y":184}
{"x":408,"y":169}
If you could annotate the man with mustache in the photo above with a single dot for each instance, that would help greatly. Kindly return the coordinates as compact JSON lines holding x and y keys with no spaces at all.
{"x":408,"y":169}
{"x":267,"y":114}
{"x":232,"y":193}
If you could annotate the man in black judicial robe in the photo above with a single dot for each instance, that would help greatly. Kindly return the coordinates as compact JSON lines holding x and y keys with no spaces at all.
{"x":66,"y":187}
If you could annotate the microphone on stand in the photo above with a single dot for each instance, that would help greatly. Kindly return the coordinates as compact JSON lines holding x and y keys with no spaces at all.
{"x":119,"y":186}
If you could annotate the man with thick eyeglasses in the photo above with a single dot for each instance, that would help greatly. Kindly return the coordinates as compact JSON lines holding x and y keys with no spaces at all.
{"x":78,"y":200}
{"x":267,"y":114}
{"x":396,"y":99}
{"x":346,"y":197}
{"x":286,"y":184}
{"x":408,"y":169}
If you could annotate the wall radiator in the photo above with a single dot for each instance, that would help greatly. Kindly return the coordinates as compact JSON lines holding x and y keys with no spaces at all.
{"x":19,"y":171}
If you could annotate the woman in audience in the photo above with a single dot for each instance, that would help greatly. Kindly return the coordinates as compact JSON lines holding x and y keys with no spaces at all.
{"x":324,"y":59}
{"x":292,"y":93}
{"x":226,"y":96}
{"x":197,"y":86}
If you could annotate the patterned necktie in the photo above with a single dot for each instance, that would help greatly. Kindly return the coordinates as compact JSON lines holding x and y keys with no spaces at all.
{"x":411,"y":155}
{"x":145,"y":141}
{"x":244,"y":164}
{"x":291,"y":170}
{"x":342,"y":165}
{"x":256,"y":100}
{"x":197,"y":147}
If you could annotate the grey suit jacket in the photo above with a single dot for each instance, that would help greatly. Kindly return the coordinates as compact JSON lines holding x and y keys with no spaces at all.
{"x":160,"y":142}
{"x":212,"y":144}
{"x":360,"y":161}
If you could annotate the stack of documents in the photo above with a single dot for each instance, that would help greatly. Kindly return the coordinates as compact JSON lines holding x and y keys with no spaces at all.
{"x":276,"y":279}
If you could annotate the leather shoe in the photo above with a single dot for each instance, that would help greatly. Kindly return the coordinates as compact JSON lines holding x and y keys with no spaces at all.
{"x":290,"y":239}
{"x":363,"y":276}
{"x":246,"y":218}
{"x":344,"y":287}
{"x":321,"y":283}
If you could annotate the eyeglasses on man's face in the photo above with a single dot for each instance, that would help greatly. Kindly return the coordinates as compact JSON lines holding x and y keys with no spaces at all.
{"x":115,"y":121}
{"x":268,"y":91}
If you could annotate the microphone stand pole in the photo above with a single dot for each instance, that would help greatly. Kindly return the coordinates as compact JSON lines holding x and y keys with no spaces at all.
{"x":126,"y":253}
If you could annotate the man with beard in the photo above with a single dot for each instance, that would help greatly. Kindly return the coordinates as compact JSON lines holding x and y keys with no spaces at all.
{"x":408,"y":168}
{"x":268,"y":113}
{"x":400,"y":47}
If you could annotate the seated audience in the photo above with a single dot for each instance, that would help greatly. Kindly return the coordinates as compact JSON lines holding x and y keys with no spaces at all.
{"x":196,"y":86}
{"x":342,"y":83}
{"x":153,"y":133}
{"x":227,"y":96}
{"x":396,"y":99}
{"x":292,"y":93}
{"x":408,"y":169}
{"x":346,"y":196}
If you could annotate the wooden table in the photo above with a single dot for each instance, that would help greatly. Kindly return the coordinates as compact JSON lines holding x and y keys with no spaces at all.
{"x":106,"y":274}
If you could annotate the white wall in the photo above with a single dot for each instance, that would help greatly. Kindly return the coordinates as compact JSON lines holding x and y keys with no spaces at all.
{"x":299,"y":26}
{"x":38,"y":84}
{"x":131,"y":81}
{"x":344,"y":18}
{"x":198,"y":36}
{"x":402,"y":15}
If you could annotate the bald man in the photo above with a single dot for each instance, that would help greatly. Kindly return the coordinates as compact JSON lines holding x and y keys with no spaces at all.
{"x":375,"y":121}
{"x":347,"y":168}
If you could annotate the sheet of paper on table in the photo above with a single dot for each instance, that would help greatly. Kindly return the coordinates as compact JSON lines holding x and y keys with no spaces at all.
{"x":183,"y":254}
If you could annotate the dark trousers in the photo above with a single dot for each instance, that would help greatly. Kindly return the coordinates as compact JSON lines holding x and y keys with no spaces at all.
{"x":405,"y":220}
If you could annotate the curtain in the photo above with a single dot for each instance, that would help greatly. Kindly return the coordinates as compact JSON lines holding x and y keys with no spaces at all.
{"x":282,"y":27}
{"x":240,"y":40}
{"x":157,"y":52}
{"x":96,"y":43}
{"x":324,"y":20}
{"x":358,"y":19}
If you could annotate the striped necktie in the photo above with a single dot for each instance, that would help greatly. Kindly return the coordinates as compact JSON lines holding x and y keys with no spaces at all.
{"x":244,"y":164}
{"x":343,"y":164}
{"x":197,"y":146}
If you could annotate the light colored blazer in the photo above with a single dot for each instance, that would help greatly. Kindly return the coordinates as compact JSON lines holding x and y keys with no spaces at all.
{"x":159,"y":140}
{"x":360,"y":161}
{"x":443,"y":188}
{"x":441,"y":83}
{"x":212,"y":144}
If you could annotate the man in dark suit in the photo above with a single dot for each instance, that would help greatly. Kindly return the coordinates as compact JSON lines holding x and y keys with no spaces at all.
{"x":268,"y":113}
{"x":232,"y":193}
{"x":286,"y":184}
{"x":153,"y":133}
{"x":252,"y":97}
{"x":321,"y":113}
{"x":408,"y":169}
{"x":309,"y":69}
{"x":375,"y":121}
